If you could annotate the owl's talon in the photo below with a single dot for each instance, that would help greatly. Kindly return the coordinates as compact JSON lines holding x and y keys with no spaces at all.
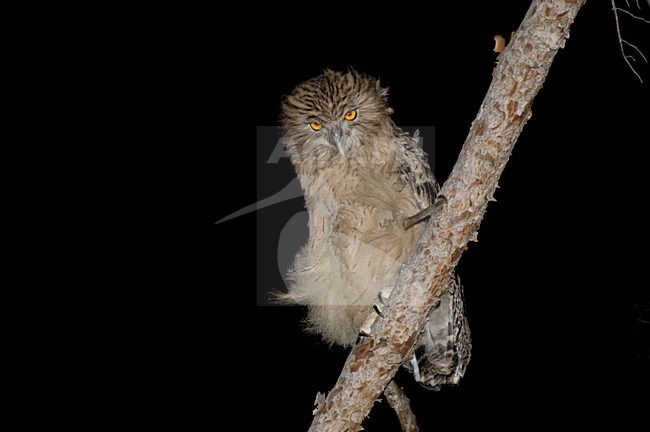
{"x":365,"y":327}
{"x":416,"y":369}
{"x":384,"y":294}
{"x":377,"y":309}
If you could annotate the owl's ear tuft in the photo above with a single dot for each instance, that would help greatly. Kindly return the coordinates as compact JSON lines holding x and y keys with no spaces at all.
{"x":383,"y":91}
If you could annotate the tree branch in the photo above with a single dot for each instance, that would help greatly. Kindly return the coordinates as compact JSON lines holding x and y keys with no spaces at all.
{"x":400,"y":403}
{"x":522,"y":69}
{"x":631,"y":14}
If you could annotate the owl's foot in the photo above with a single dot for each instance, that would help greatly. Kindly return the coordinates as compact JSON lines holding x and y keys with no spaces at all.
{"x":416,"y":369}
{"x":383,"y":296}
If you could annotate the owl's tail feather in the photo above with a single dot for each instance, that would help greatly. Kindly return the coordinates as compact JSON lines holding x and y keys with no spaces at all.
{"x":443,"y":349}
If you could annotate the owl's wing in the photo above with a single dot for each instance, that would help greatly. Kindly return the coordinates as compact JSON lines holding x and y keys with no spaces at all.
{"x":444,"y":347}
{"x":413,"y":168}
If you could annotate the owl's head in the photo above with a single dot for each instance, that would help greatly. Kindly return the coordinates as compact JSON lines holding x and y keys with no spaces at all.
{"x":335,"y":115}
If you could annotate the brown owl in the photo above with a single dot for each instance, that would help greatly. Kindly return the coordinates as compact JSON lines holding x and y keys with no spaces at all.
{"x":362,"y":177}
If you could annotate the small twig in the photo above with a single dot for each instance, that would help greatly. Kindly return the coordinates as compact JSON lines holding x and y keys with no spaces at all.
{"x":621,"y":40}
{"x":401,"y":404}
{"x":434,"y":208}
{"x":632,"y":15}
{"x":637,"y":50}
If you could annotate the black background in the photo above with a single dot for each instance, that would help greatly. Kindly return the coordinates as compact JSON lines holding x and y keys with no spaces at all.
{"x":554,"y":283}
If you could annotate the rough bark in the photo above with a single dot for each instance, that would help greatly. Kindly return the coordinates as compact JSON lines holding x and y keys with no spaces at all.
{"x":517,"y":79}
{"x":401,"y":404}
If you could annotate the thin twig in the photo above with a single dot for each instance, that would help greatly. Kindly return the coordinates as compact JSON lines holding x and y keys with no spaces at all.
{"x":621,"y":40}
{"x":402,"y":406}
{"x":637,"y":50}
{"x":632,"y":15}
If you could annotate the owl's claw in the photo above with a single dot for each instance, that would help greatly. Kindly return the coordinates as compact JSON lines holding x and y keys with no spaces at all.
{"x":384,"y":294}
{"x":365,"y":327}
{"x":416,"y":369}
{"x":377,"y":308}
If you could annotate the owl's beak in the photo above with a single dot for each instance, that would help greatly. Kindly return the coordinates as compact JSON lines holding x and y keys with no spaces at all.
{"x":337,"y":138}
{"x":339,"y":145}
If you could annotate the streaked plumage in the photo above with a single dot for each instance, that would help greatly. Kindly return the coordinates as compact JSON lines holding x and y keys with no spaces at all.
{"x":361,"y":177}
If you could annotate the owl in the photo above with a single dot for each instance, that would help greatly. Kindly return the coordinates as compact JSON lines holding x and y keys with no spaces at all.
{"x":362,"y":179}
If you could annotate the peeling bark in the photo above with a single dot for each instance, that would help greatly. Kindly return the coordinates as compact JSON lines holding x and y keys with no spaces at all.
{"x":519,"y":76}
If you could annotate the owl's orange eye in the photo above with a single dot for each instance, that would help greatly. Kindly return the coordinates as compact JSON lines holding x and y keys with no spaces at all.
{"x":316,"y":126}
{"x":350,"y":115}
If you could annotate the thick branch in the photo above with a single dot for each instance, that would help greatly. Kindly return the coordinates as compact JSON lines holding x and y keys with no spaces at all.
{"x":522,"y":68}
{"x":401,"y":404}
